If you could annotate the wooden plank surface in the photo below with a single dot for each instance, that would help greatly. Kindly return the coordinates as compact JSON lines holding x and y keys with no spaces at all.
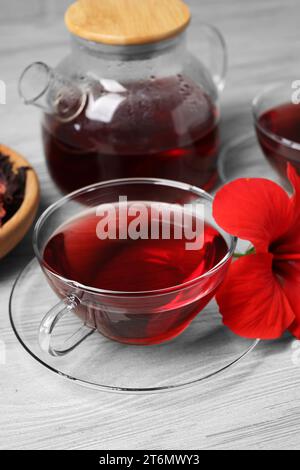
{"x":255,"y":405}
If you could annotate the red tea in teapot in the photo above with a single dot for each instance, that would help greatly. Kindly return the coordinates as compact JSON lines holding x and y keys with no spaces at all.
{"x":278,"y":131}
{"x":161,"y":128}
{"x":135,"y":266}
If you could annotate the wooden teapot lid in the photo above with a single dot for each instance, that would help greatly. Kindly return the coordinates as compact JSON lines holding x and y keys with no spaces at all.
{"x":127,"y":22}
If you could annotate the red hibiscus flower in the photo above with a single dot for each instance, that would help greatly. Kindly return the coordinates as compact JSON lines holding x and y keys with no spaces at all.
{"x":260,"y":297}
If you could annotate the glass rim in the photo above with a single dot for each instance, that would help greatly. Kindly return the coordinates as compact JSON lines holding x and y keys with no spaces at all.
{"x":118,"y":182}
{"x":256,"y":114}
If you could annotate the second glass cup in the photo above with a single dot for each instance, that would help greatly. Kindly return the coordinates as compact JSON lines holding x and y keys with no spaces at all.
{"x":277,"y":121}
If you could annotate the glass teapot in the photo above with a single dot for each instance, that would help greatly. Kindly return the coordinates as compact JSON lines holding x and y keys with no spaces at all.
{"x":130,"y":100}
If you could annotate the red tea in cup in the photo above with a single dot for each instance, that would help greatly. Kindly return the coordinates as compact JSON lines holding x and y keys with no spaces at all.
{"x":152,"y":271}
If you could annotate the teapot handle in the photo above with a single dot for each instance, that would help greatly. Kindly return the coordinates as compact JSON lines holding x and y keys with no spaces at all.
{"x":217,"y":59}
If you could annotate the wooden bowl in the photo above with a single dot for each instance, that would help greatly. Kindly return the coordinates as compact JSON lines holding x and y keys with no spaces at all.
{"x":14,"y":230}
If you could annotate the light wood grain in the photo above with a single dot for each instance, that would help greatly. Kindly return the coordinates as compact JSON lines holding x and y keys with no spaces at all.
{"x":254,"y":406}
{"x":13,"y":231}
{"x":127,"y":21}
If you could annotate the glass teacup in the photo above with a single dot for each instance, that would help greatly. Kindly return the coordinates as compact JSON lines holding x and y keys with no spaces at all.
{"x":141,"y":291}
{"x":277,"y":120}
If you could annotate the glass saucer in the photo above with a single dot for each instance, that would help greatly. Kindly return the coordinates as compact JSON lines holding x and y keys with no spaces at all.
{"x":204,"y":350}
{"x":244,"y":158}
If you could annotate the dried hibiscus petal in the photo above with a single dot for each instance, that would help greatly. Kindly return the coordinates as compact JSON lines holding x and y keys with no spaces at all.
{"x":12,"y":188}
{"x":2,"y":210}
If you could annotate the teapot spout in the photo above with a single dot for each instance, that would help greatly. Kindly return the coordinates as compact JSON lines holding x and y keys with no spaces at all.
{"x":44,"y":87}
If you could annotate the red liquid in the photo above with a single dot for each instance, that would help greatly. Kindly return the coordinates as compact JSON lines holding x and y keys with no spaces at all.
{"x":165,"y":128}
{"x":284,"y":122}
{"x":76,"y":253}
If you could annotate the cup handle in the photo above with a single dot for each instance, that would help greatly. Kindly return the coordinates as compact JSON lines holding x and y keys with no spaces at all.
{"x":218,"y":56}
{"x":49,"y":323}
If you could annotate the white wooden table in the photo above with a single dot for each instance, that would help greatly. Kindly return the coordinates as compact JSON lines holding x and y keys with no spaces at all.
{"x":257,"y":404}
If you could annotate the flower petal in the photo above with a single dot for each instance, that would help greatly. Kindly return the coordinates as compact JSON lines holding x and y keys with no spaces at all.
{"x":253,"y":209}
{"x":289,"y":272}
{"x":251,"y":300}
{"x":289,"y":242}
{"x":295,"y":182}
